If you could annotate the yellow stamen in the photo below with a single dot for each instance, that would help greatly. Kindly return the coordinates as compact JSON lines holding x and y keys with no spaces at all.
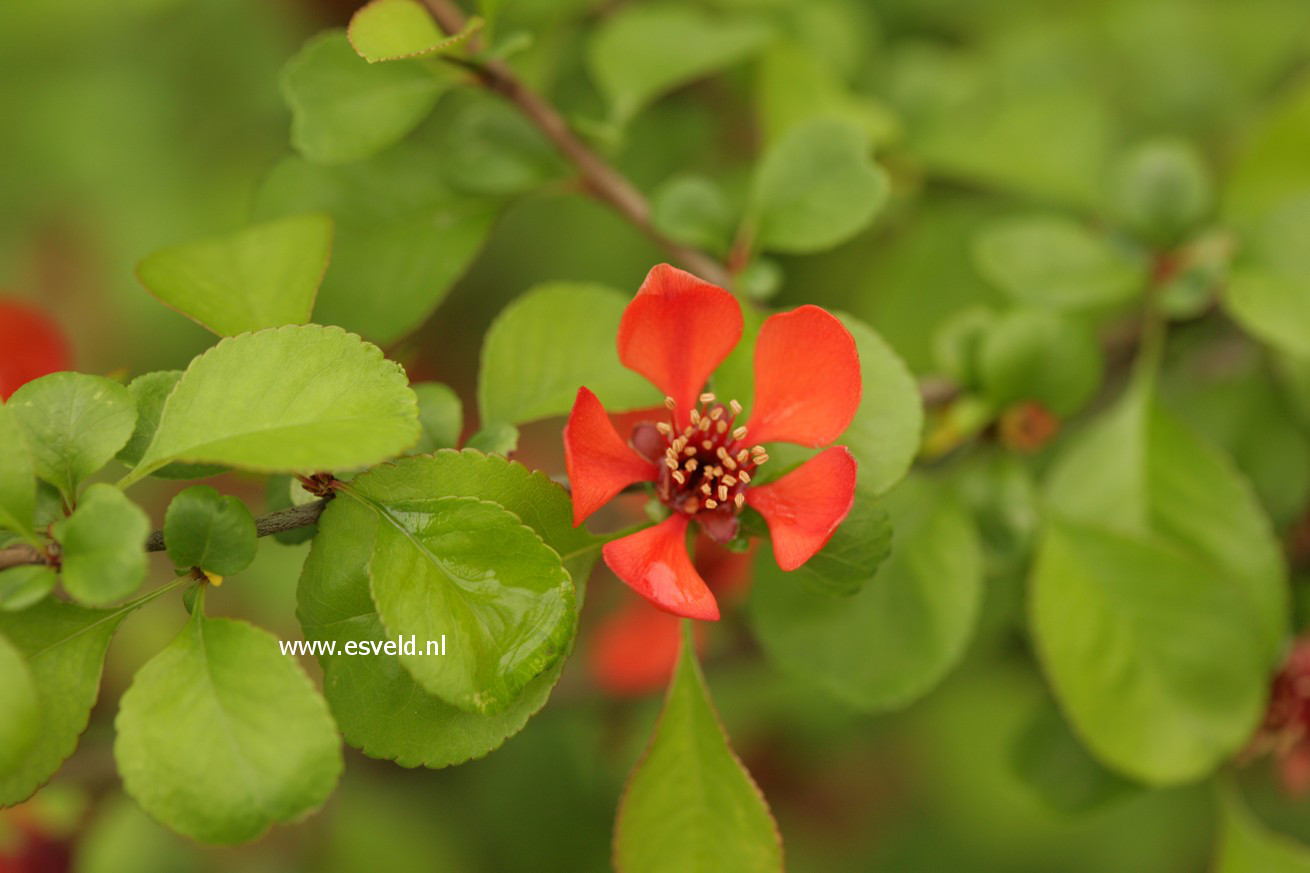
{"x":735,"y":406}
{"x":679,"y":478}
{"x":695,"y":416}
{"x":705,"y":488}
{"x":710,"y":504}
{"x":691,"y":465}
{"x":739,"y":433}
{"x":707,"y":444}
{"x":707,"y":397}
{"x":742,"y":456}
{"x":740,"y":500}
{"x":721,"y":427}
{"x":671,"y":464}
{"x":744,"y":477}
{"x":705,"y":424}
{"x":716,"y":413}
{"x":723,"y":492}
{"x":668,"y":402}
{"x":664,"y":427}
{"x":729,"y":463}
{"x":729,"y":481}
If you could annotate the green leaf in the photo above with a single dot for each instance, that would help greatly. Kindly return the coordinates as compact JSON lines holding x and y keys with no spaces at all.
{"x":440,"y":415}
{"x":402,"y":235}
{"x":18,"y":701}
{"x":377,"y":703}
{"x":857,"y":548}
{"x":1246,"y":845}
{"x":17,"y":476}
{"x":547,"y":343}
{"x":1048,"y":260}
{"x":344,"y":109}
{"x":643,"y":51}
{"x":816,"y":187}
{"x":265,"y":275}
{"x":150,"y":390}
{"x":490,"y":148}
{"x":1269,"y":294}
{"x":291,"y":399}
{"x":389,"y":30}
{"x":64,"y":646}
{"x":221,"y":736}
{"x":102,"y":546}
{"x":469,"y":569}
{"x":1161,"y":190}
{"x":1039,"y":355}
{"x":795,"y":85}
{"x":277,"y":495}
{"x":20,"y":587}
{"x":1271,"y":164}
{"x":1158,"y":659}
{"x":694,"y":211}
{"x":497,"y":439}
{"x":1059,"y":770}
{"x":211,"y":531}
{"x":74,"y":423}
{"x":690,"y":806}
{"x":907,"y":626}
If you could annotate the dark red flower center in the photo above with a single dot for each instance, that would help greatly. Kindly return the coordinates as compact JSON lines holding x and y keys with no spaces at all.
{"x":706,"y":466}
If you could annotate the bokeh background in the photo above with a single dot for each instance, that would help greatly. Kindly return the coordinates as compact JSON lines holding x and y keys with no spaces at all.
{"x":128,"y":125}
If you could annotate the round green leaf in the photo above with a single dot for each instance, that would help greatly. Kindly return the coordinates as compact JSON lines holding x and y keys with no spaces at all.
{"x":1161,"y":190}
{"x":18,"y":701}
{"x":150,"y":390}
{"x":389,"y":30}
{"x":211,"y":531}
{"x":74,"y":423}
{"x":694,"y":211}
{"x":221,"y":736}
{"x":265,"y":275}
{"x":17,"y":476}
{"x":290,"y":399}
{"x":440,"y":415}
{"x":857,"y":548}
{"x":1040,"y":355}
{"x":1274,"y":308}
{"x":690,"y":806}
{"x":20,"y":587}
{"x":900,"y":634}
{"x":490,"y":148}
{"x":102,"y":546}
{"x":817,"y":187}
{"x":546,"y":344}
{"x":1158,"y":660}
{"x":64,"y":646}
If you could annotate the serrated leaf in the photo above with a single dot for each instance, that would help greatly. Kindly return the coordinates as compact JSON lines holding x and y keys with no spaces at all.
{"x":221,"y":736}
{"x":857,"y":548}
{"x":64,"y":646}
{"x":211,"y":531}
{"x":265,"y":275}
{"x":20,"y":587}
{"x":17,"y":477}
{"x":906,"y":627}
{"x":547,"y":343}
{"x":1158,"y":660}
{"x":440,"y":415}
{"x":1039,"y":355}
{"x":402,"y":235}
{"x":816,"y":187}
{"x":299,"y":398}
{"x":344,"y":108}
{"x":1052,"y":261}
{"x":18,"y":701}
{"x":690,"y":806}
{"x":73,"y":423}
{"x":469,"y":569}
{"x":389,"y":30}
{"x":150,"y":390}
{"x":377,"y":703}
{"x":641,"y":52}
{"x":1248,"y":846}
{"x":102,"y":546}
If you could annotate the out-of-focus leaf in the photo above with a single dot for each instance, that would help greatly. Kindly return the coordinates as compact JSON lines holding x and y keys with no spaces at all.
{"x":795,"y":85}
{"x":1269,"y":294}
{"x":440,"y":415}
{"x":1039,"y":355}
{"x":102,"y":554}
{"x":18,"y":701}
{"x":694,"y":211}
{"x":1248,"y":846}
{"x":1161,"y":189}
{"x":490,"y":148}
{"x":390,"y":30}
{"x":17,"y":476}
{"x":1270,"y":165}
{"x":1055,"y":765}
{"x":20,"y":587}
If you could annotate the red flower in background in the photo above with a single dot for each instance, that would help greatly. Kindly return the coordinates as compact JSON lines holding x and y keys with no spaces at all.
{"x":702,"y":463}
{"x":1285,"y":733}
{"x":31,"y":345}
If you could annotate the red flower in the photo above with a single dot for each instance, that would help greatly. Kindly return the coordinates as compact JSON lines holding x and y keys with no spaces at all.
{"x":31,"y":345}
{"x":807,"y":389}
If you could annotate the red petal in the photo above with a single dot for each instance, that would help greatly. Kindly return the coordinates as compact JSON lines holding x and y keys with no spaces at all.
{"x":654,"y":563}
{"x":599,"y":462}
{"x":728,"y":573}
{"x":31,"y":346}
{"x":805,"y":506}
{"x":807,"y":379}
{"x":676,"y":331}
{"x":635,"y":649}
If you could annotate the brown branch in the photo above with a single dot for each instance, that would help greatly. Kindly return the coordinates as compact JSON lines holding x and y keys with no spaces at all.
{"x":601,"y":180}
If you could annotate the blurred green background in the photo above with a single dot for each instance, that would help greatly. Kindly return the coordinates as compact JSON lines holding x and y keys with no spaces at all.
{"x":134,"y":124}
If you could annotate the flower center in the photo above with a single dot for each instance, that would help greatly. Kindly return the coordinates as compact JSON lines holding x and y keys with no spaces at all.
{"x":707,"y":465}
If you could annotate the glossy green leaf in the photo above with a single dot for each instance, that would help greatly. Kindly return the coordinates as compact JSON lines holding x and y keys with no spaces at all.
{"x":528,"y":372}
{"x":857,"y":548}
{"x":816,"y":187}
{"x":211,"y":531}
{"x":1052,"y":261}
{"x":20,"y":587}
{"x":1039,"y":355}
{"x":64,"y":646}
{"x":102,"y":546}
{"x":344,"y":109}
{"x":291,"y":399}
{"x":402,"y":235}
{"x":633,"y":60}
{"x":1158,"y":659}
{"x":221,"y":736}
{"x":440,"y":415}
{"x":150,"y":390}
{"x":389,"y":30}
{"x":379,"y":706}
{"x":265,"y":275}
{"x":1246,"y":845}
{"x":690,"y":806}
{"x":74,"y":423}
{"x":17,"y":476}
{"x":907,"y":626}
{"x":468,"y":569}
{"x":18,"y":701}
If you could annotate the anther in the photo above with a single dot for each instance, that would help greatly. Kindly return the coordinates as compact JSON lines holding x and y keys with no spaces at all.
{"x":671,"y":464}
{"x":761,"y":458}
{"x":664,"y":427}
{"x":740,"y":500}
{"x":695,"y":416}
{"x":721,"y":427}
{"x":707,"y":444}
{"x":742,"y":456}
{"x":723,"y":492}
{"x":729,"y":481}
{"x":757,"y":450}
{"x":716,"y":413}
{"x":710,"y":504}
{"x":668,"y":402}
{"x":744,"y":477}
{"x":729,"y":463}
{"x":671,"y":452}
{"x":735,"y":407}
{"x":707,"y":397}
{"x":705,"y":489}
{"x":691,"y":465}
{"x":690,"y":450}
{"x":705,"y":424}
{"x":679,"y":477}
{"x":739,"y":433}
